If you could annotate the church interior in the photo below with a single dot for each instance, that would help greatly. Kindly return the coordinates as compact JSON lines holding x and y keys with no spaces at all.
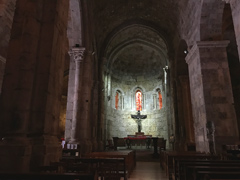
{"x":94,"y":75}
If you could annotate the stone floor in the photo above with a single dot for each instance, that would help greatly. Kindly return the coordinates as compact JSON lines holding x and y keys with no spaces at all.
{"x":148,"y":167}
{"x":148,"y":171}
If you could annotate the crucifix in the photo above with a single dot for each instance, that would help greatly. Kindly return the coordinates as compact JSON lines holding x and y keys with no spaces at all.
{"x":139,"y":118}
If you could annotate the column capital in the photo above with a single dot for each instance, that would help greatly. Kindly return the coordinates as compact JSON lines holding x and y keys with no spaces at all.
{"x":77,"y":53}
{"x":2,"y":59}
{"x":204,"y":44}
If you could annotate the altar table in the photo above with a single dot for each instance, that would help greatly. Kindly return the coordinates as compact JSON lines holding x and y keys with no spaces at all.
{"x":138,"y":140}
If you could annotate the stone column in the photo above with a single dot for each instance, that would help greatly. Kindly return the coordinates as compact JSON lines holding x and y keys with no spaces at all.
{"x":235,"y":6}
{"x":211,"y":93}
{"x":72,"y":114}
{"x":187,"y":109}
{"x":84,"y":121}
{"x":30,"y":103}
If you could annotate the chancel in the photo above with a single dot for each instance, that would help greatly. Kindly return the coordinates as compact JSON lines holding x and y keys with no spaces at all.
{"x":139,"y":118}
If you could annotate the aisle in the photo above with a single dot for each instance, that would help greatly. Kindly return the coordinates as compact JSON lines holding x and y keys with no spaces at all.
{"x":148,"y":171}
{"x":148,"y":167}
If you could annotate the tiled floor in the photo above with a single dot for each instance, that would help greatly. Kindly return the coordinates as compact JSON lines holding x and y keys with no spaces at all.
{"x":148,"y":171}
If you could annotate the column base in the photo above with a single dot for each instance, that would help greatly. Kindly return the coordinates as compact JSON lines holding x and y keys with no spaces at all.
{"x":84,"y":146}
{"x":45,"y":149}
{"x":15,"y":154}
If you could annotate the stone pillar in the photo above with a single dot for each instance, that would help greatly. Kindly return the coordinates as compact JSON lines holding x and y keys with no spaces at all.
{"x":96,"y":140}
{"x":6,"y":19}
{"x":73,"y":111}
{"x":235,"y":6}
{"x":7,"y":9}
{"x":211,"y":93}
{"x":187,"y":109}
{"x":32,"y":86}
{"x":84,"y":121}
{"x":2,"y":68}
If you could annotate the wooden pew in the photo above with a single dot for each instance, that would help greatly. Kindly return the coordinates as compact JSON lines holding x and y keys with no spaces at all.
{"x":216,"y":175}
{"x":112,"y":168}
{"x":168,"y":157}
{"x":128,"y":155}
{"x":216,"y":169}
{"x":185,"y":168}
{"x":46,"y":176}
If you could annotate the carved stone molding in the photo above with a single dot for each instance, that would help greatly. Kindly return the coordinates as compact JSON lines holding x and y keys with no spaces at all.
{"x":204,"y":44}
{"x":227,"y":1}
{"x":2,"y":59}
{"x":77,"y":53}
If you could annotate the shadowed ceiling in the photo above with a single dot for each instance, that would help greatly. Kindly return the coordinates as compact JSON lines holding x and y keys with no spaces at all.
{"x":132,"y":33}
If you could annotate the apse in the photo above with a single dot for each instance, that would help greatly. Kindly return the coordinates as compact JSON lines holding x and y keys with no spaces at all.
{"x":136,"y":60}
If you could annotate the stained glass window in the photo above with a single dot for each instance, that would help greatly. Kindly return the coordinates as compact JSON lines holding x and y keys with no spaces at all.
{"x":116,"y":100}
{"x":160,"y":99}
{"x":138,"y":100}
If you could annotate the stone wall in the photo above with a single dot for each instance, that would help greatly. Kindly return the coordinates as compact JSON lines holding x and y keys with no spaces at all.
{"x":119,"y":121}
{"x":189,"y":21}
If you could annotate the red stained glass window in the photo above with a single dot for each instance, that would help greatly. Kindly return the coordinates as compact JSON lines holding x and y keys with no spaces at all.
{"x":138,"y":100}
{"x":116,"y":100}
{"x":160,"y":99}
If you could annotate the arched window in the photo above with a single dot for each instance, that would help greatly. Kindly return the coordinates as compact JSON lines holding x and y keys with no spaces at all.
{"x":160,"y":99}
{"x":138,"y":98}
{"x":119,"y":100}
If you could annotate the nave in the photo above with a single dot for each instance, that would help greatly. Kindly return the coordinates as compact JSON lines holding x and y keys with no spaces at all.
{"x":148,"y":171}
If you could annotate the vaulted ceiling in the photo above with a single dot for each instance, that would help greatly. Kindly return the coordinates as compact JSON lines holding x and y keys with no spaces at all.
{"x":134,"y":35}
{"x":110,"y":15}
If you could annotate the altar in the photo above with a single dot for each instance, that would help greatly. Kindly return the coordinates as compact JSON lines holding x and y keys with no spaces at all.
{"x":139,"y":139}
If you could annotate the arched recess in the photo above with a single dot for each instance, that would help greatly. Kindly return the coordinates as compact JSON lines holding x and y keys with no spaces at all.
{"x":233,"y":57}
{"x":211,"y":21}
{"x":118,"y":100}
{"x":184,"y":131}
